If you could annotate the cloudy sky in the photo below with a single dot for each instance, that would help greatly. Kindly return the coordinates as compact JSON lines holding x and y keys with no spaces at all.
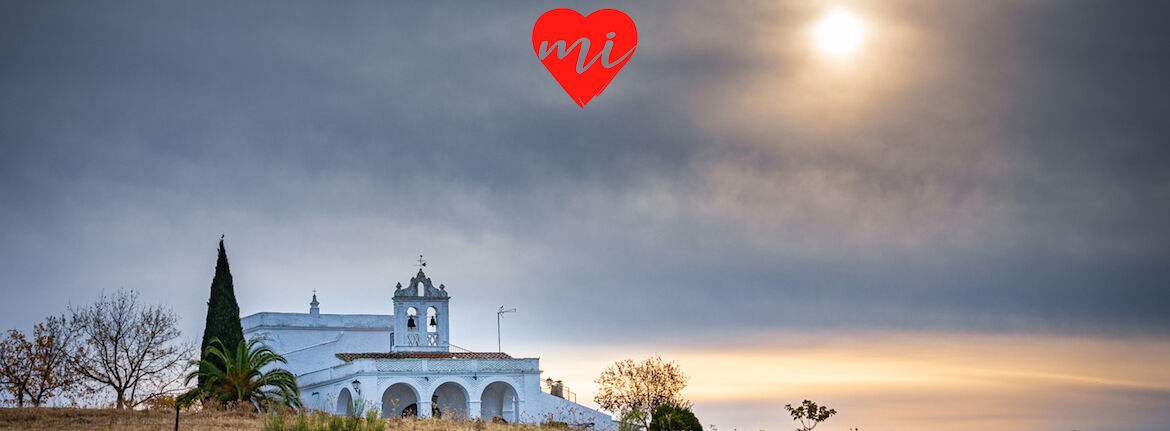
{"x":961,"y":225}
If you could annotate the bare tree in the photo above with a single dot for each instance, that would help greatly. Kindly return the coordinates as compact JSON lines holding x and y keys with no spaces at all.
{"x":128,"y":348}
{"x":627,"y":386}
{"x":52,"y":345}
{"x":14,"y":365}
{"x":37,"y":369}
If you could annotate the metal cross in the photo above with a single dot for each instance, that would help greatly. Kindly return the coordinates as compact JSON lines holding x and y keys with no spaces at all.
{"x":421,"y":262}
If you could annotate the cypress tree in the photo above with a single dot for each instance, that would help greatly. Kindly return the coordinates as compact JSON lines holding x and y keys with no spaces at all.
{"x":223,"y":314}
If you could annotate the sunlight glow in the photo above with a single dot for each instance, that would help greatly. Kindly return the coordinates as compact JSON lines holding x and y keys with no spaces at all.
{"x":909,"y":381}
{"x":839,"y":33}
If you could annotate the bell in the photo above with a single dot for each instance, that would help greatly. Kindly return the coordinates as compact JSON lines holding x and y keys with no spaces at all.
{"x":433,"y":321}
{"x":410,"y":323}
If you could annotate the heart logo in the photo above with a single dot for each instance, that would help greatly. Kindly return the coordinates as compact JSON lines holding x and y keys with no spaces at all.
{"x":584,"y":53}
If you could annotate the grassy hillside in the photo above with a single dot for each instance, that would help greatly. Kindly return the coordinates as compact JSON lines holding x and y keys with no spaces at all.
{"x":67,"y":419}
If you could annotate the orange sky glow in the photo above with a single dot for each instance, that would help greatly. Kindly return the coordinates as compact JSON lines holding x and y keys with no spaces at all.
{"x":910,"y":381}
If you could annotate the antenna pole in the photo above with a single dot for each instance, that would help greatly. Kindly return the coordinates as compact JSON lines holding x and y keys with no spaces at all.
{"x":500,"y":314}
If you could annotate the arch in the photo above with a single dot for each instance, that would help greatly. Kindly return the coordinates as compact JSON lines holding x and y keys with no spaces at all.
{"x":344,"y":404}
{"x":398,"y":400}
{"x":412,"y":322}
{"x":449,"y":400}
{"x":432,"y":319}
{"x":499,"y":399}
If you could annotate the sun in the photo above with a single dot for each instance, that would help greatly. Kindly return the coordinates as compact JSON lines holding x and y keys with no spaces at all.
{"x":839,"y":33}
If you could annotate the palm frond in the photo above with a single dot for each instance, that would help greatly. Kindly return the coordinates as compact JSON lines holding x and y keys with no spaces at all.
{"x":237,"y":375}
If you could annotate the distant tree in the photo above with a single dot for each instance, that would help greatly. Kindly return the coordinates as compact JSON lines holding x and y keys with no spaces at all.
{"x":53,"y":343}
{"x":241,"y":379}
{"x":628,"y":385}
{"x":633,"y":420}
{"x":809,"y":414}
{"x":37,"y":369}
{"x":223,"y":313}
{"x":668,"y":417}
{"x":128,"y":348}
{"x":14,"y":365}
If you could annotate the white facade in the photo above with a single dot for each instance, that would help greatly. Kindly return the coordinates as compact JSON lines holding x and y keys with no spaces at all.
{"x":402,"y":364}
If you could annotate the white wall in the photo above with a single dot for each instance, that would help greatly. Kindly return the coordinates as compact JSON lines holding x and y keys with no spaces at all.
{"x":310,"y":343}
{"x":569,"y":412}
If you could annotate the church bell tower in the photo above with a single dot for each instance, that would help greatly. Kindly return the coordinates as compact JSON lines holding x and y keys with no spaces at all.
{"x":420,"y":316}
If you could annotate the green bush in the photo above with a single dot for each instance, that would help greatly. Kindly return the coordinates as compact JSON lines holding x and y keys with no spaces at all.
{"x":673,"y":418}
{"x":633,"y":420}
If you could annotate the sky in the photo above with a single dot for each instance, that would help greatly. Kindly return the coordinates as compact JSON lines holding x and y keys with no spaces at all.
{"x":961,"y":225}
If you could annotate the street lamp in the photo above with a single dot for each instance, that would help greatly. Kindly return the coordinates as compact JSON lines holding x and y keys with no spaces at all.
{"x":499,"y":315}
{"x":357,"y":386}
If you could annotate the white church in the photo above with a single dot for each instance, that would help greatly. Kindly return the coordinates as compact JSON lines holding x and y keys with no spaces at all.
{"x":402,"y":364}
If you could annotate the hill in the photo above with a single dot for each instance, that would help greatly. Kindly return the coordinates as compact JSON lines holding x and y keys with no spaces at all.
{"x":71,"y":419}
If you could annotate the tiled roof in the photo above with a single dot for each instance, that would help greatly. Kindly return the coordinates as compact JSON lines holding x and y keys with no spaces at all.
{"x":423,"y":355}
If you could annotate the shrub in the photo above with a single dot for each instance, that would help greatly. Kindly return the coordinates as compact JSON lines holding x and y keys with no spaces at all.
{"x":302,"y":423}
{"x":668,"y":417}
{"x":161,"y":402}
{"x":337,"y":423}
{"x":373,"y":423}
{"x":633,"y":420}
{"x":274,"y":423}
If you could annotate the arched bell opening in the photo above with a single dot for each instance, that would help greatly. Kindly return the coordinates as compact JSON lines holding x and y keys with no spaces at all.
{"x":412,"y":319}
{"x":432,"y":322}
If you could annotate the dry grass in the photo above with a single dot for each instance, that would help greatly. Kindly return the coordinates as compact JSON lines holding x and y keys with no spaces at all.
{"x":69,"y":419}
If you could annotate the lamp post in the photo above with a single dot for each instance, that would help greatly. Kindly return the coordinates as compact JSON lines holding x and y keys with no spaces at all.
{"x":499,"y":315}
{"x":357,"y":400}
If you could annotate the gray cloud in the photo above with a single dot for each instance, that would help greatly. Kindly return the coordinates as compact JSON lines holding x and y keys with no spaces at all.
{"x":985,"y":167}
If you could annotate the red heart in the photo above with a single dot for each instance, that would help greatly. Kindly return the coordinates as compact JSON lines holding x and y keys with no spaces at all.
{"x":584,"y":53}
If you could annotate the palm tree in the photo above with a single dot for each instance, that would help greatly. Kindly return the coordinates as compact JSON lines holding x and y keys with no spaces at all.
{"x":240,"y":378}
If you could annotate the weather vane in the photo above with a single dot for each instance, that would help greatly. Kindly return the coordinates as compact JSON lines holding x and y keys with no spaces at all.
{"x":421,"y":262}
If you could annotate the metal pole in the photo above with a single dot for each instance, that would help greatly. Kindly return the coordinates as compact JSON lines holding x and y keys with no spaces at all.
{"x":499,"y":314}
